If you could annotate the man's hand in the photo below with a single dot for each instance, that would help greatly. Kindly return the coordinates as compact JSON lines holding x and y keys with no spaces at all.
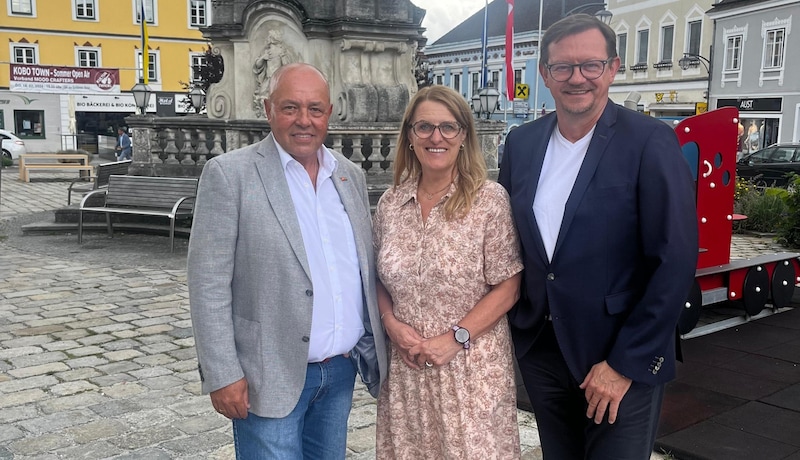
{"x":232,"y":401}
{"x":604,"y":389}
{"x":404,"y":337}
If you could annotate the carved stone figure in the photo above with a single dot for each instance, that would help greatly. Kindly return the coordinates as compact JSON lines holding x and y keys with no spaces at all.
{"x":275,"y":54}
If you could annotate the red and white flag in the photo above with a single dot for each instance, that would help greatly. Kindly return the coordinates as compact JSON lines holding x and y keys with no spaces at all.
{"x":510,"y":87}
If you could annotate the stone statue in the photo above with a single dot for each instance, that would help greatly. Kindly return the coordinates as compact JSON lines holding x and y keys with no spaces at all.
{"x":275,"y":54}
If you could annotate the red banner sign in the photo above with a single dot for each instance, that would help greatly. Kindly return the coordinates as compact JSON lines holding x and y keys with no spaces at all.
{"x":69,"y":80}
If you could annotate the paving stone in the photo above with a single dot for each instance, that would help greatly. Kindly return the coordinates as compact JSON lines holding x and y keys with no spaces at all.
{"x":56,"y":422}
{"x":124,"y":390}
{"x":156,"y":329}
{"x":96,"y":430}
{"x":162,"y":347}
{"x":154,"y":360}
{"x":147,"y":437}
{"x":114,"y":408}
{"x":112,"y":379}
{"x":198,"y":444}
{"x":12,"y":414}
{"x":84,"y":373}
{"x":9,"y":433}
{"x":7,"y":351}
{"x":146,"y":454}
{"x":76,"y":401}
{"x":122,"y":355}
{"x":39,"y":381}
{"x":37,"y":444}
{"x":96,"y":339}
{"x":86,"y":361}
{"x":195,"y":406}
{"x":70,"y":388}
{"x":60,"y":345}
{"x":201,"y":424}
{"x":118,"y":367}
{"x":49,"y":368}
{"x":85,"y":351}
{"x":162,"y":383}
{"x":95,"y":450}
{"x":37,"y":359}
{"x":124,"y":344}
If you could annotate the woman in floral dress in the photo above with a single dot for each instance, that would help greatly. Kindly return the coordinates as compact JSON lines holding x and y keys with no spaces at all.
{"x":449,"y":267}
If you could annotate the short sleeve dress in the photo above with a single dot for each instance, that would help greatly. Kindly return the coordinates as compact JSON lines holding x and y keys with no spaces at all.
{"x":436,"y":272}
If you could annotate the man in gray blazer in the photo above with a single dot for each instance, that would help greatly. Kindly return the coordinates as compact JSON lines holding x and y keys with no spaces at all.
{"x":282,"y":281}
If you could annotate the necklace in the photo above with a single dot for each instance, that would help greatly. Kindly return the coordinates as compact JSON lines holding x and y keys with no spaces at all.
{"x":429,"y":196}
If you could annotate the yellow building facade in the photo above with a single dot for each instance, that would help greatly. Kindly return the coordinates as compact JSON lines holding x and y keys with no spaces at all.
{"x":103,"y":38}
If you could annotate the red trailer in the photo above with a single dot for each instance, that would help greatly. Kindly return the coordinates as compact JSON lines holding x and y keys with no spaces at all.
{"x":709,"y":144}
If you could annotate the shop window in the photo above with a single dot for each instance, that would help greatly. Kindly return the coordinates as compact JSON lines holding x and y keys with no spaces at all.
{"x":29,"y":124}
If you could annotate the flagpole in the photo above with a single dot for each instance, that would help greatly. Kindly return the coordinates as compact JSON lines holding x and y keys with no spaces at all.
{"x":484,"y":44}
{"x":509,"y":47}
{"x":145,"y":53}
{"x":539,"y":61}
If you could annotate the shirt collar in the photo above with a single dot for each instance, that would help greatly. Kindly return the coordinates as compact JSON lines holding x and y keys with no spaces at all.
{"x":327,"y":162}
{"x":407,"y":191}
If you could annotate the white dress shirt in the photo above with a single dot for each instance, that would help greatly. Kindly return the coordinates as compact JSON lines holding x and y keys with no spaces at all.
{"x":337,"y":321}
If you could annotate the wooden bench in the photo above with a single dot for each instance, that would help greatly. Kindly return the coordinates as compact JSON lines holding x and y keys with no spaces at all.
{"x":99,"y":179}
{"x":171,"y":197}
{"x":74,"y":162}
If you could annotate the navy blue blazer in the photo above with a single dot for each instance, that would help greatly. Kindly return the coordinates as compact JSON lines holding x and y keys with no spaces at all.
{"x":626,"y":252}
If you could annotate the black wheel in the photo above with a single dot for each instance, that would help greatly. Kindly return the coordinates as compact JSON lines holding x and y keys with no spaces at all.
{"x":755,"y":290}
{"x":783,"y":278}
{"x":6,"y":154}
{"x":692,"y":308}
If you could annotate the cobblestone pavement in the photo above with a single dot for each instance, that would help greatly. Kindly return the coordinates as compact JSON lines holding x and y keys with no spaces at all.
{"x":97,"y":358}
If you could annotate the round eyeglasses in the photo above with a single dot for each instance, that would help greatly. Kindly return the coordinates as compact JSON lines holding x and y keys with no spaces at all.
{"x":448,"y":130}
{"x":591,"y":70}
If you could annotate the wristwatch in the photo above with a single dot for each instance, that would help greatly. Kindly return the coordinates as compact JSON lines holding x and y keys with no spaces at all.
{"x":461,"y":335}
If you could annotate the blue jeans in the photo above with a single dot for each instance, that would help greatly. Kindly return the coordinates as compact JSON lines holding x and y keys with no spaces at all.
{"x":315,"y":429}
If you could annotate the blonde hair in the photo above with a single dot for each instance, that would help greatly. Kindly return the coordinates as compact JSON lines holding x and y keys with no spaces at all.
{"x":470,"y":164}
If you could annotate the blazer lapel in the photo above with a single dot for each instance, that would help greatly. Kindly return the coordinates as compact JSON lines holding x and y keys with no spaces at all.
{"x":280,"y":198}
{"x":537,"y":160}
{"x":603,"y":133}
{"x":345,"y":185}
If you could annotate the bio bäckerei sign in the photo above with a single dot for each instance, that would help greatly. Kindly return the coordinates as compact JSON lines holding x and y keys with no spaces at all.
{"x":70,"y":80}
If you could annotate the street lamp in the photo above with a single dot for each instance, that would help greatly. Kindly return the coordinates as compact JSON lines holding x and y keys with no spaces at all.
{"x":603,"y":15}
{"x":196,"y":97}
{"x":141,"y":95}
{"x":485,"y":101}
{"x":694,"y":60}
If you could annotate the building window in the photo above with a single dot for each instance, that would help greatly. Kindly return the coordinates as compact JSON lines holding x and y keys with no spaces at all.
{"x":476,"y":83}
{"x":643,"y":45}
{"x":29,"y":124}
{"x":457,"y":82}
{"x":495,"y":79}
{"x":149,"y":11}
{"x":517,"y":76}
{"x":24,"y":55}
{"x":88,"y":58}
{"x":152,"y":66}
{"x":695,"y":29}
{"x":733,"y":53}
{"x":622,"y":48}
{"x":773,"y":51}
{"x":85,"y":9}
{"x":26,"y":7}
{"x":197,"y":62}
{"x":198,"y":13}
{"x":439,"y":79}
{"x":667,"y":35}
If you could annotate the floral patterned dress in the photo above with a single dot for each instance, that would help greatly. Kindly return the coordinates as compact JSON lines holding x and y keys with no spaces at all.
{"x":436,"y":272}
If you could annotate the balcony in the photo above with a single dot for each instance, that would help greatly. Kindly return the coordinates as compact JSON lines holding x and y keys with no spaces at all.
{"x":640,"y":67}
{"x":663,"y":65}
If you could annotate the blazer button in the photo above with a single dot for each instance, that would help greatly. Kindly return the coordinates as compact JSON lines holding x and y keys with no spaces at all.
{"x":309,"y":292}
{"x":305,"y":338}
{"x":551,"y":277}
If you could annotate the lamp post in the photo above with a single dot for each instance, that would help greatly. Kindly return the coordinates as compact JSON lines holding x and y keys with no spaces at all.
{"x":693,"y":60}
{"x":603,"y":15}
{"x":141,"y":95}
{"x":485,"y":101}
{"x":196,"y":97}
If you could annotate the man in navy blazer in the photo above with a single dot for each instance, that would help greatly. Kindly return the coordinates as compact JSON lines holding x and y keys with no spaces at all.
{"x":604,"y":204}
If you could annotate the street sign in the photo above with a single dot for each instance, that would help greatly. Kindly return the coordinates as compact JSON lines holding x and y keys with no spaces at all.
{"x":521,"y":91}
{"x":521,"y":109}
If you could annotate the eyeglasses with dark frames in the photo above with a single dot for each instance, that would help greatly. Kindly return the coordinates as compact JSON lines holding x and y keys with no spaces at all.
{"x":424,"y":129}
{"x":591,"y":70}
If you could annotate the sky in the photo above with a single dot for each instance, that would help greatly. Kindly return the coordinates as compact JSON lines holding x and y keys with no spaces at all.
{"x":443,"y":15}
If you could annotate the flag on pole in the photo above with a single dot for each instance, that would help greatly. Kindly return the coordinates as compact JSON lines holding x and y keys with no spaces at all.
{"x":145,"y":52}
{"x":510,"y":87}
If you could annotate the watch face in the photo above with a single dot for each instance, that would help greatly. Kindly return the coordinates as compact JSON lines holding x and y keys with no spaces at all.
{"x":462,"y":335}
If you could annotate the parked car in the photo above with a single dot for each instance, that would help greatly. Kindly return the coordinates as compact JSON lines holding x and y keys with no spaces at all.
{"x":770,"y":165}
{"x":13,"y":146}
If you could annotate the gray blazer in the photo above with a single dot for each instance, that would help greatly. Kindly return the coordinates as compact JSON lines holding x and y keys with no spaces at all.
{"x":250,"y":288}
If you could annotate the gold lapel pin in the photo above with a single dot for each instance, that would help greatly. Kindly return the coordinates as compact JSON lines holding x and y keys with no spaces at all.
{"x":343,"y":179}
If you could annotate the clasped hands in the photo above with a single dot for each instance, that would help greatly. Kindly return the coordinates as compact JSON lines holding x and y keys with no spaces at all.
{"x":417,"y":351}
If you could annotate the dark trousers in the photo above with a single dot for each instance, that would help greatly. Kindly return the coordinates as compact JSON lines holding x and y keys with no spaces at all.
{"x":560,"y":409}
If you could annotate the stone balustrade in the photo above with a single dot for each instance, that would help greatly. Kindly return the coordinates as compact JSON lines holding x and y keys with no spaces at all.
{"x":180,"y":146}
